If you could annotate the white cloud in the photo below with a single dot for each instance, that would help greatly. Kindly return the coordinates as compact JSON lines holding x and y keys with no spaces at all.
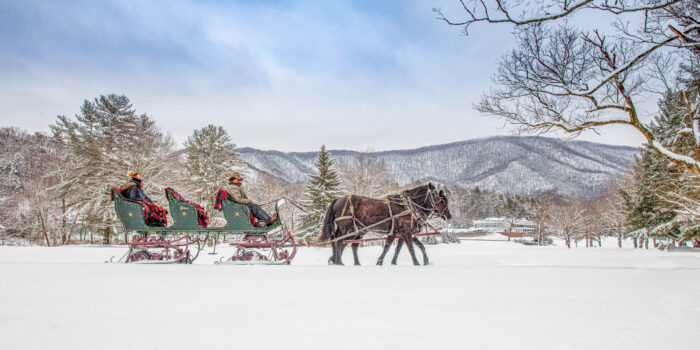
{"x":289,"y":78}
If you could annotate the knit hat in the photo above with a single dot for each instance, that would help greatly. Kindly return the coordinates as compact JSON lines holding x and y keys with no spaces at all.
{"x":131,"y":174}
{"x":235,"y":176}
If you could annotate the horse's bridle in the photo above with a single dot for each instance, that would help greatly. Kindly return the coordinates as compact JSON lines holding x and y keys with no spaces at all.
{"x":438,"y":212}
{"x":431,"y":193}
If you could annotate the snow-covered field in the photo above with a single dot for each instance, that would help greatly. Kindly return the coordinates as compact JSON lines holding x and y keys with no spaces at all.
{"x":476,"y":295}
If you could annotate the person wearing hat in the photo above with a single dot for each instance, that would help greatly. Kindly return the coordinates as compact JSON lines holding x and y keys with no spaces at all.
{"x":238,"y":195}
{"x":133,"y":190}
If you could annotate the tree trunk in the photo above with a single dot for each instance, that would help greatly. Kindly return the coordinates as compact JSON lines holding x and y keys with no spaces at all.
{"x":619,"y":241}
{"x":43,"y":228}
{"x":106,"y":236}
{"x":64,"y":235}
{"x":634,"y":241}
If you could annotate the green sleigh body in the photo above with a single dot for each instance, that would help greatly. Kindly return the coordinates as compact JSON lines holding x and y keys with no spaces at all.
{"x":186,"y":225}
{"x":185,"y":218}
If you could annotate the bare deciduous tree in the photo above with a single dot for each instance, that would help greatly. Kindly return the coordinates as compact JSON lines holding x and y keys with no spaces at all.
{"x":566,"y":219}
{"x":366,"y":175}
{"x":613,"y":211}
{"x":268,"y":188}
{"x":562,"y":78}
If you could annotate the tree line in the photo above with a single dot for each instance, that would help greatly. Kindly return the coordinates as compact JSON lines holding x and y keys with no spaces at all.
{"x":56,"y":186}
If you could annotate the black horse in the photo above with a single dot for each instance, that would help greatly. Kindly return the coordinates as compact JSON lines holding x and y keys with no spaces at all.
{"x":404,"y":214}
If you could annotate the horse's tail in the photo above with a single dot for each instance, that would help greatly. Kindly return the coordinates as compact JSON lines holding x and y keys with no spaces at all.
{"x":327,"y":228}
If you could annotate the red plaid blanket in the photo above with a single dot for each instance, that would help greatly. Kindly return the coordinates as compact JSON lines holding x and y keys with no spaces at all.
{"x":220,"y":196}
{"x":152,"y":214}
{"x":201,"y":213}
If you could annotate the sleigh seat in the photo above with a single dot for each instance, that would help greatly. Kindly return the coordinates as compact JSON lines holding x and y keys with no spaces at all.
{"x":187,"y":215}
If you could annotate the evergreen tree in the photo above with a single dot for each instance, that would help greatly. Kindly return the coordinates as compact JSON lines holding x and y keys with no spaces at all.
{"x":645,"y":210}
{"x":665,"y":201}
{"x":106,"y":140}
{"x":209,"y":160}
{"x":321,"y":190}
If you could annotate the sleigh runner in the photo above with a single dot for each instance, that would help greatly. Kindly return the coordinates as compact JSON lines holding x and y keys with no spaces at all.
{"x":262,"y":249}
{"x":190,"y":224}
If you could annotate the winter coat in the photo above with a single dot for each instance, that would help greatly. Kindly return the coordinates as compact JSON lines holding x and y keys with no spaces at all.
{"x":238,"y":195}
{"x":132,"y":191}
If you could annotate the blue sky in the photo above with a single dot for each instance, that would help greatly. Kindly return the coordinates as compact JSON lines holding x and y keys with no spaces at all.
{"x":277,"y":75}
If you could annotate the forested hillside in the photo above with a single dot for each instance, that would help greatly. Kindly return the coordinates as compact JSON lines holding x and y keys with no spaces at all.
{"x":516,"y":165}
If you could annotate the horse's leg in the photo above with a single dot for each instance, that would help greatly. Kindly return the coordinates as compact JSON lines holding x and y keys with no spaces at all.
{"x":422,"y":249}
{"x":333,"y":260}
{"x":387,"y":245}
{"x":354,"y":253}
{"x":399,"y":245}
{"x":409,"y":243}
{"x":339,"y":257}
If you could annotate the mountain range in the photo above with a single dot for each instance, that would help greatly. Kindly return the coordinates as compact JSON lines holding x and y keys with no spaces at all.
{"x":507,"y":164}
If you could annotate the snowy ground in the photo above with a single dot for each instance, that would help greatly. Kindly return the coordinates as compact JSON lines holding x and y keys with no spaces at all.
{"x":477,"y":295}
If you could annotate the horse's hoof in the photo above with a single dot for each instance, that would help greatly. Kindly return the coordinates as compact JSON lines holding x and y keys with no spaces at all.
{"x":380,"y":263}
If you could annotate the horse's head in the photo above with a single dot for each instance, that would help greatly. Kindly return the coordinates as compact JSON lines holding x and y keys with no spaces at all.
{"x":430,"y":201}
{"x":440,"y":204}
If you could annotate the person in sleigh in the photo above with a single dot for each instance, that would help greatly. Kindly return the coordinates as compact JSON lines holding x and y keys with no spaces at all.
{"x":238,"y":195}
{"x":133,"y":191}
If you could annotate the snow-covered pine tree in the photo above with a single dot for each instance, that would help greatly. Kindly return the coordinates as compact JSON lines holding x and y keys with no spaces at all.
{"x":666,"y":202}
{"x":107,"y":139}
{"x":210,"y":160}
{"x":321,"y":190}
{"x":645,"y":210}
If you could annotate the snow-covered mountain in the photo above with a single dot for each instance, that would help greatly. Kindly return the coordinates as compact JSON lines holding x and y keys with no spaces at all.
{"x":509,"y":164}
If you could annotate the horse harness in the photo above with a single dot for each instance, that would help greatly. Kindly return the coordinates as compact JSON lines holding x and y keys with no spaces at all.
{"x":404,"y":200}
